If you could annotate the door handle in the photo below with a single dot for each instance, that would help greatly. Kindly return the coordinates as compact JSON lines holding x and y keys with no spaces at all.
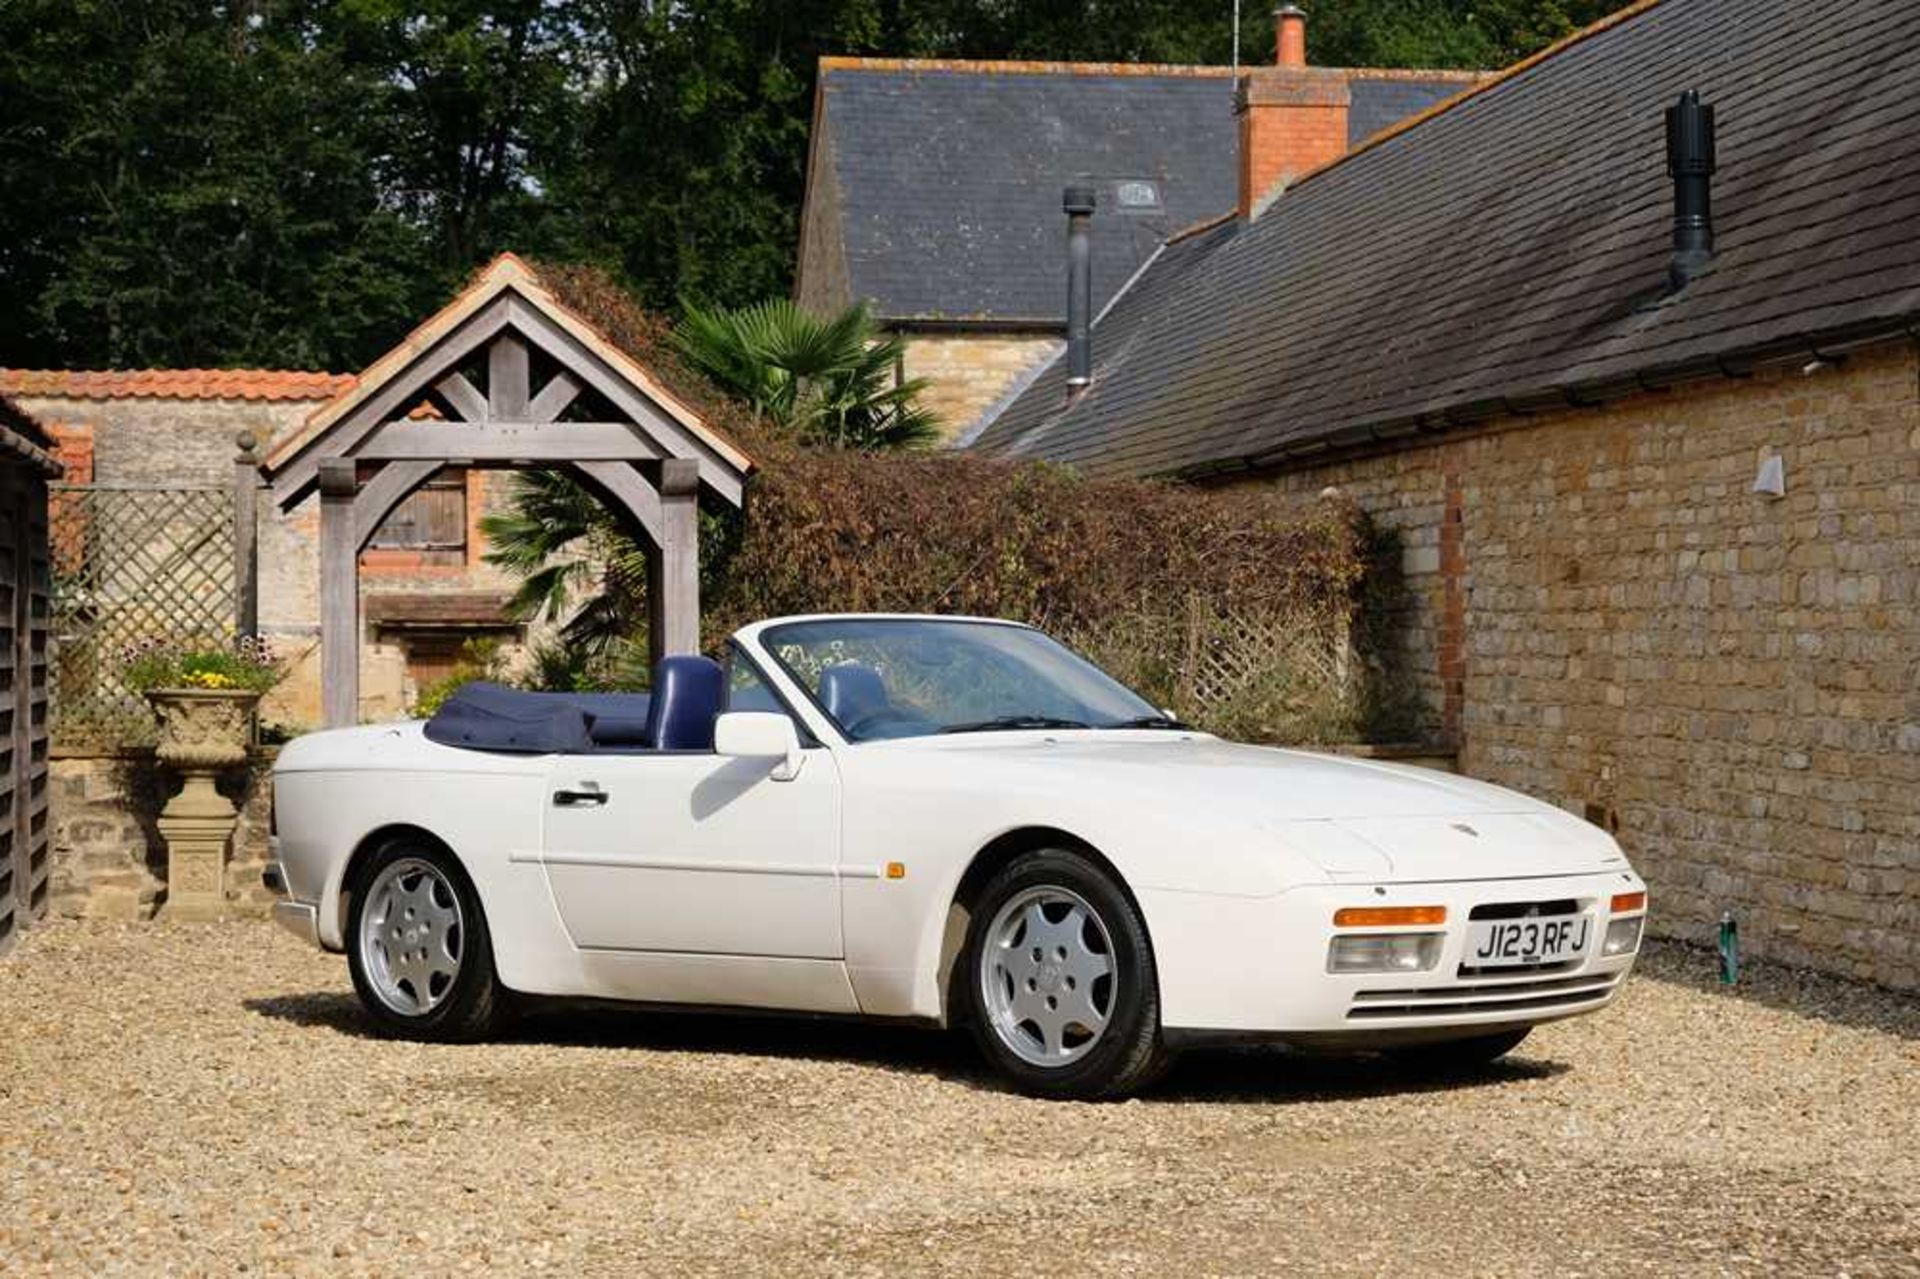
{"x":588,"y":794}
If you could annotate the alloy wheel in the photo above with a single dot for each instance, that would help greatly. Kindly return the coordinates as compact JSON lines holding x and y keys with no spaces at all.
{"x":1047,"y":979}
{"x":412,"y":936}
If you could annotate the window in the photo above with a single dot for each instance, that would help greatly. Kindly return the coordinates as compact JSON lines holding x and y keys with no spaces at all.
{"x":905,"y":677}
{"x":1136,"y":195}
{"x":748,"y":690}
{"x":431,"y":521}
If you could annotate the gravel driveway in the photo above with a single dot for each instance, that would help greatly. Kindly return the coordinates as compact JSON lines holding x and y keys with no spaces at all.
{"x":204,"y":1098}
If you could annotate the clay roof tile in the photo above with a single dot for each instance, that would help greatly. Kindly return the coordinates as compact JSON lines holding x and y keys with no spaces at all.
{"x":174,"y":384}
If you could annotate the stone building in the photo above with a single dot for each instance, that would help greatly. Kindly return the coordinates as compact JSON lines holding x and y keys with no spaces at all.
{"x":933,"y":187}
{"x":426,"y":591}
{"x":1653,"y":478}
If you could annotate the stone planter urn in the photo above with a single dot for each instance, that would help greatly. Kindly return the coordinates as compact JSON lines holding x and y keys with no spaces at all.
{"x":203,"y":731}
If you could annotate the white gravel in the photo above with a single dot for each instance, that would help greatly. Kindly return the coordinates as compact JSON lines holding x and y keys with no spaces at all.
{"x":204,"y":1099}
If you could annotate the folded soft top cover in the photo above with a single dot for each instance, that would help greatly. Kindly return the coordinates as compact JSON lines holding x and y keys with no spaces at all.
{"x":493,"y":717}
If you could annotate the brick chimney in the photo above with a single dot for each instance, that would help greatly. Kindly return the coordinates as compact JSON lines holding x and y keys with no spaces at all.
{"x":1293,"y":117}
{"x":1289,"y":36}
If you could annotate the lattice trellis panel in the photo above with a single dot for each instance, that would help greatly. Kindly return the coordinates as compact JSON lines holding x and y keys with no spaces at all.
{"x":1228,"y":653}
{"x":1271,"y":676}
{"x":129,"y":563}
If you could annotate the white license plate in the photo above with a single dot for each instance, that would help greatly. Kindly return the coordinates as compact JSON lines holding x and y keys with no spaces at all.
{"x":1503,"y":943}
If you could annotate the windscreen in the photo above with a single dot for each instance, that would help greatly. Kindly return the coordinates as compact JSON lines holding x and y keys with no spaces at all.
{"x":907,"y":677}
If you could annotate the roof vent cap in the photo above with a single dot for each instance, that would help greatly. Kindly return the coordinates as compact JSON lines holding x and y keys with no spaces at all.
{"x":1690,"y":163}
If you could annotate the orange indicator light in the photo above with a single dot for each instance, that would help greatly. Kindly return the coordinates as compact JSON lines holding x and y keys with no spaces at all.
{"x":896,"y":870}
{"x":1388,"y":916}
{"x":1623,"y":902}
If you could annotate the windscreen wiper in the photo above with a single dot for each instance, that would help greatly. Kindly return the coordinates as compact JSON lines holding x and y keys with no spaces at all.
{"x":1010,"y":722}
{"x":1149,"y":721}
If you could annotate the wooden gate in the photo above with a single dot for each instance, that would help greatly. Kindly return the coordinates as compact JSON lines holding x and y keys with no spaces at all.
{"x":25,"y":577}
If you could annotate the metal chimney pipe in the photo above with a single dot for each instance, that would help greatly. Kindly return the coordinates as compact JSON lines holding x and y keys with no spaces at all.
{"x":1690,"y":163}
{"x":1078,"y":203}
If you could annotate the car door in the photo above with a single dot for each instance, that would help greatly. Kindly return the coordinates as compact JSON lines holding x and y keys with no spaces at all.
{"x":693,"y":853}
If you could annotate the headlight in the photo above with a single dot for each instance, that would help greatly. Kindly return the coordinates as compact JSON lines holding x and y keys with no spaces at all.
{"x":1384,"y":952}
{"x":1623,"y":936}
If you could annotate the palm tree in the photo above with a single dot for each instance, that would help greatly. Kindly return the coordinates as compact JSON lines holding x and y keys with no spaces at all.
{"x":563,"y":544}
{"x":830,"y":380}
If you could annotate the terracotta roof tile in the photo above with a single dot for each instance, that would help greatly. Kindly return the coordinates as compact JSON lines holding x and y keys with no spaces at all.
{"x":174,"y":384}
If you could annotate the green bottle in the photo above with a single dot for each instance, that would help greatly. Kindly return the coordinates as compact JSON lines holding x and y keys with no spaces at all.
{"x":1729,"y":949}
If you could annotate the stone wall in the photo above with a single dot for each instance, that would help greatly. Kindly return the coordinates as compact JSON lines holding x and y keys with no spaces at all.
{"x":1602,"y":612}
{"x":109,"y":861}
{"x":967,"y":372}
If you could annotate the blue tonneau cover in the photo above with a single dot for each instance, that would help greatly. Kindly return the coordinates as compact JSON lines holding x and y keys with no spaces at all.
{"x":492,"y":717}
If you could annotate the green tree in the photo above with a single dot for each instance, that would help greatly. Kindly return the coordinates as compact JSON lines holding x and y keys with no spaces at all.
{"x":174,"y":189}
{"x":566,"y":546}
{"x":295,"y":182}
{"x":828,"y":380}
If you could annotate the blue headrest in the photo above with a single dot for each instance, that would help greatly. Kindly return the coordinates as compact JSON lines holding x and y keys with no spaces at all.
{"x":688,"y":694}
{"x":851,"y":692}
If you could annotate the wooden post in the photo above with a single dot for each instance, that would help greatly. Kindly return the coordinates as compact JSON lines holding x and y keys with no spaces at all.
{"x":673,"y":578}
{"x":246,"y":559}
{"x":339,"y":595}
{"x":507,"y":379}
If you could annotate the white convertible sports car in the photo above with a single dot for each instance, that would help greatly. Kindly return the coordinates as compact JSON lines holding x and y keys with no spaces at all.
{"x":951,"y":820}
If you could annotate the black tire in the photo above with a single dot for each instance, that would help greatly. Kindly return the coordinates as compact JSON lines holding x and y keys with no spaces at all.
{"x":1129,"y":1053}
{"x":473,"y":1005}
{"x":1462,"y":1054}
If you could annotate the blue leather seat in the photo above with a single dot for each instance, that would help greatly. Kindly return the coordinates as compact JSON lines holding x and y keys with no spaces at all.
{"x":851,"y":692}
{"x":688,"y":694}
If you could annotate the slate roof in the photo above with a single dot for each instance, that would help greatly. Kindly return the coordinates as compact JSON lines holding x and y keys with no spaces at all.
{"x":1510,"y":250}
{"x":946,"y":176}
{"x":174,"y":384}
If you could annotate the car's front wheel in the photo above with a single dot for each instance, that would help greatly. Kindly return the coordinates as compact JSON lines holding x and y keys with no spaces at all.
{"x":1063,"y":994}
{"x":418,"y":948}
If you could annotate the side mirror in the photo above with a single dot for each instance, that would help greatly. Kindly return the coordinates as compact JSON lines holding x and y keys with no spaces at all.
{"x":765,"y":735}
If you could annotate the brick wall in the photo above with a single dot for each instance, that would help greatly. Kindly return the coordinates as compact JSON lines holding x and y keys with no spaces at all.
{"x":1292,"y":120}
{"x":967,"y":372}
{"x":1604,"y":614}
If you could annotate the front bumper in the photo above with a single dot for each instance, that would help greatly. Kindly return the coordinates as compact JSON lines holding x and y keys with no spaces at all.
{"x":1257,"y":967}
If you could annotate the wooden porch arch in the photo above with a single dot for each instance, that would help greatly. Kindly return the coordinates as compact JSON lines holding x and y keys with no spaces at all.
{"x":648,"y":460}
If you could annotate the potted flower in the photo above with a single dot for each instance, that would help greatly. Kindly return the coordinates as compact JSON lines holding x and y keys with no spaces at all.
{"x":203,"y":695}
{"x":204,"y":698}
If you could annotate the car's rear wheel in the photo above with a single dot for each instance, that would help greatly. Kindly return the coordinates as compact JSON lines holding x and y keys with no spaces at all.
{"x":1463,"y":1054}
{"x":1062,"y":991}
{"x":418,"y":947}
